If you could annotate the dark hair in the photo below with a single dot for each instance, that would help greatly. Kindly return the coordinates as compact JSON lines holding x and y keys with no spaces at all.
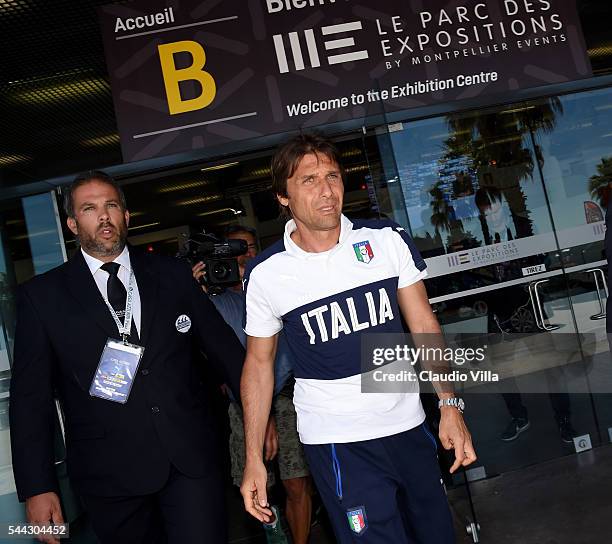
{"x":87,"y":177}
{"x":236,"y":229}
{"x":289,"y":155}
{"x":486,"y":195}
{"x":240,"y":229}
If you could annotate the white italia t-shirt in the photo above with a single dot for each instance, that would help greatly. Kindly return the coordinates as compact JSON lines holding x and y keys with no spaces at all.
{"x":324,"y":301}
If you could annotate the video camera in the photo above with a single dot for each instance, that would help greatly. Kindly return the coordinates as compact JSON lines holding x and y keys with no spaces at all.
{"x":219,"y":257}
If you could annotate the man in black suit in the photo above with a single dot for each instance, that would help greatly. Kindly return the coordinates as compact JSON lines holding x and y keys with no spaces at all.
{"x":145,"y":468}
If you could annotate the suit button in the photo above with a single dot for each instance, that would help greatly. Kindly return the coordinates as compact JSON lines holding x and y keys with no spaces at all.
{"x":155,"y":409}
{"x":144,"y":371}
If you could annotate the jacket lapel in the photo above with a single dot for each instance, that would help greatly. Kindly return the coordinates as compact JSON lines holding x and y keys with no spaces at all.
{"x":84,"y":290}
{"x":148,"y":286}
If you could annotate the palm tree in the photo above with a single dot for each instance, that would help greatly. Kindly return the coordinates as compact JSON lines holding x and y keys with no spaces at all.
{"x":440,"y":210}
{"x":600,"y":182}
{"x":499,"y":146}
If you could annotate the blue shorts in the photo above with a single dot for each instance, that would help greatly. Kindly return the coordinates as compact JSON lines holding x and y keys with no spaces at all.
{"x":386,"y":490}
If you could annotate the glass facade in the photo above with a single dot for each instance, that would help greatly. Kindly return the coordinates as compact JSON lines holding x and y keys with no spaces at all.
{"x":507,"y":205}
{"x":32,"y":243}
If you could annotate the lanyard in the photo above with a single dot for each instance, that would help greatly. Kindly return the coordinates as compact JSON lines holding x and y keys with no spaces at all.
{"x":125,"y":327}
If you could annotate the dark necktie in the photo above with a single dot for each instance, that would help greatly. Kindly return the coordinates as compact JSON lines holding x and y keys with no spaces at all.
{"x":117,"y":295}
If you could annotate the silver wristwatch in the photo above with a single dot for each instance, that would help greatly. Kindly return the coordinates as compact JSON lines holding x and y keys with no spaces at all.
{"x":454,"y":401}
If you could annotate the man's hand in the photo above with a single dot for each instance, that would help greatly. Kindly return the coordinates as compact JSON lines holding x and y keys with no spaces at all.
{"x":254,"y":491}
{"x":257,"y":387}
{"x":43,"y":509}
{"x":455,"y":435}
{"x":271,"y":440}
{"x":198,"y":271}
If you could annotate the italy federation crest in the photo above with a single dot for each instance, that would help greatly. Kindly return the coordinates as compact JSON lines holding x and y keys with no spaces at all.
{"x":363,"y":251}
{"x":357,"y":519}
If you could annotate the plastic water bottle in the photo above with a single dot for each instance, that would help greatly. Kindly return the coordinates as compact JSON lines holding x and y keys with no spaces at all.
{"x":274,"y":530}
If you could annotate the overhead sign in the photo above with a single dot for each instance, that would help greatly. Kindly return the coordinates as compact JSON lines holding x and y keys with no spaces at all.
{"x":191,"y":74}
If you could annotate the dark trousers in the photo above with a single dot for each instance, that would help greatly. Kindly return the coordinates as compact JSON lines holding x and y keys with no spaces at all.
{"x":383,"y":491}
{"x":185,"y":510}
{"x":560,"y":403}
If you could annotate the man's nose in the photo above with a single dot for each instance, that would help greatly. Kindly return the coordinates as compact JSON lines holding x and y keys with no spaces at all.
{"x":326,"y":188}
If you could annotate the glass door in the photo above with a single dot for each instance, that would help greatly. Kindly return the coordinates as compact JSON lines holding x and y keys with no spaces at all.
{"x":472,"y":190}
{"x":31,"y":243}
{"x":576,"y":170}
{"x":507,"y":207}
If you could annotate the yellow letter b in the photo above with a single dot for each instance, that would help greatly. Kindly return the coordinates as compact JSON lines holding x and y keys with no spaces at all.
{"x":173,"y":76}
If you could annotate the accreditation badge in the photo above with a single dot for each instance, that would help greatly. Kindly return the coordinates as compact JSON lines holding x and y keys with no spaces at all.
{"x":116,"y":371}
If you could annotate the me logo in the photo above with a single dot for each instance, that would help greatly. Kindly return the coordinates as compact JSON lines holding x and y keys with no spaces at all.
{"x":458,"y":259}
{"x":314,"y":57}
{"x":363,"y":251}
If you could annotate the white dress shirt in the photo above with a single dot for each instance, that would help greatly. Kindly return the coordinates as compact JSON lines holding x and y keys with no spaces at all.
{"x":101,"y":279}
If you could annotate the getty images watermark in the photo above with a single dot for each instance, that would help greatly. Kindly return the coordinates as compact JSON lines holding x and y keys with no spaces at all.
{"x":436,"y":361}
{"x":486,"y":363}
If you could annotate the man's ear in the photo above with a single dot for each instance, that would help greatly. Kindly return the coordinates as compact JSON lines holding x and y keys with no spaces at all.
{"x":72,"y":225}
{"x":284,"y":201}
{"x":126,"y":214}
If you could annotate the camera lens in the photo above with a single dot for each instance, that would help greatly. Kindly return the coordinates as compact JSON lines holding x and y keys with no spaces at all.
{"x":221,"y":270}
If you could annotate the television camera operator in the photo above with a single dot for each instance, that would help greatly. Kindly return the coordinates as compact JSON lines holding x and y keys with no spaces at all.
{"x":219,"y":266}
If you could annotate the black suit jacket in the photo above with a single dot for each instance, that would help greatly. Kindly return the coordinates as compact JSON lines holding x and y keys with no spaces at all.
{"x":115,"y":449}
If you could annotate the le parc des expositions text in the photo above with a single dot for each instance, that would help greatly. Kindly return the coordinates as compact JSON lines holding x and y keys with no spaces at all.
{"x":461,"y":30}
{"x":468,"y":31}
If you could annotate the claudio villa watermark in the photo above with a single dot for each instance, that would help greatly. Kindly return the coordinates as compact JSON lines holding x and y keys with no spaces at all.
{"x":436,"y":364}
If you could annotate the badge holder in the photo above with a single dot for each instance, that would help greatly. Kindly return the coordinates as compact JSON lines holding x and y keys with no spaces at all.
{"x":119,"y":361}
{"x":116,"y":371}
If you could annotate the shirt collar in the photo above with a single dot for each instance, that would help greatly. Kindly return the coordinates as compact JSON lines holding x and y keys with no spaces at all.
{"x":94,"y":264}
{"x":346,"y":227}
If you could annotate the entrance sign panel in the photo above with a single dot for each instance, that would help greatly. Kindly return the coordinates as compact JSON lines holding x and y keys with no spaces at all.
{"x":190,"y":74}
{"x":489,"y":255}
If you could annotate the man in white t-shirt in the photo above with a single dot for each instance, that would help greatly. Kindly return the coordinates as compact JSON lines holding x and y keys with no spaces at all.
{"x":371,"y":455}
